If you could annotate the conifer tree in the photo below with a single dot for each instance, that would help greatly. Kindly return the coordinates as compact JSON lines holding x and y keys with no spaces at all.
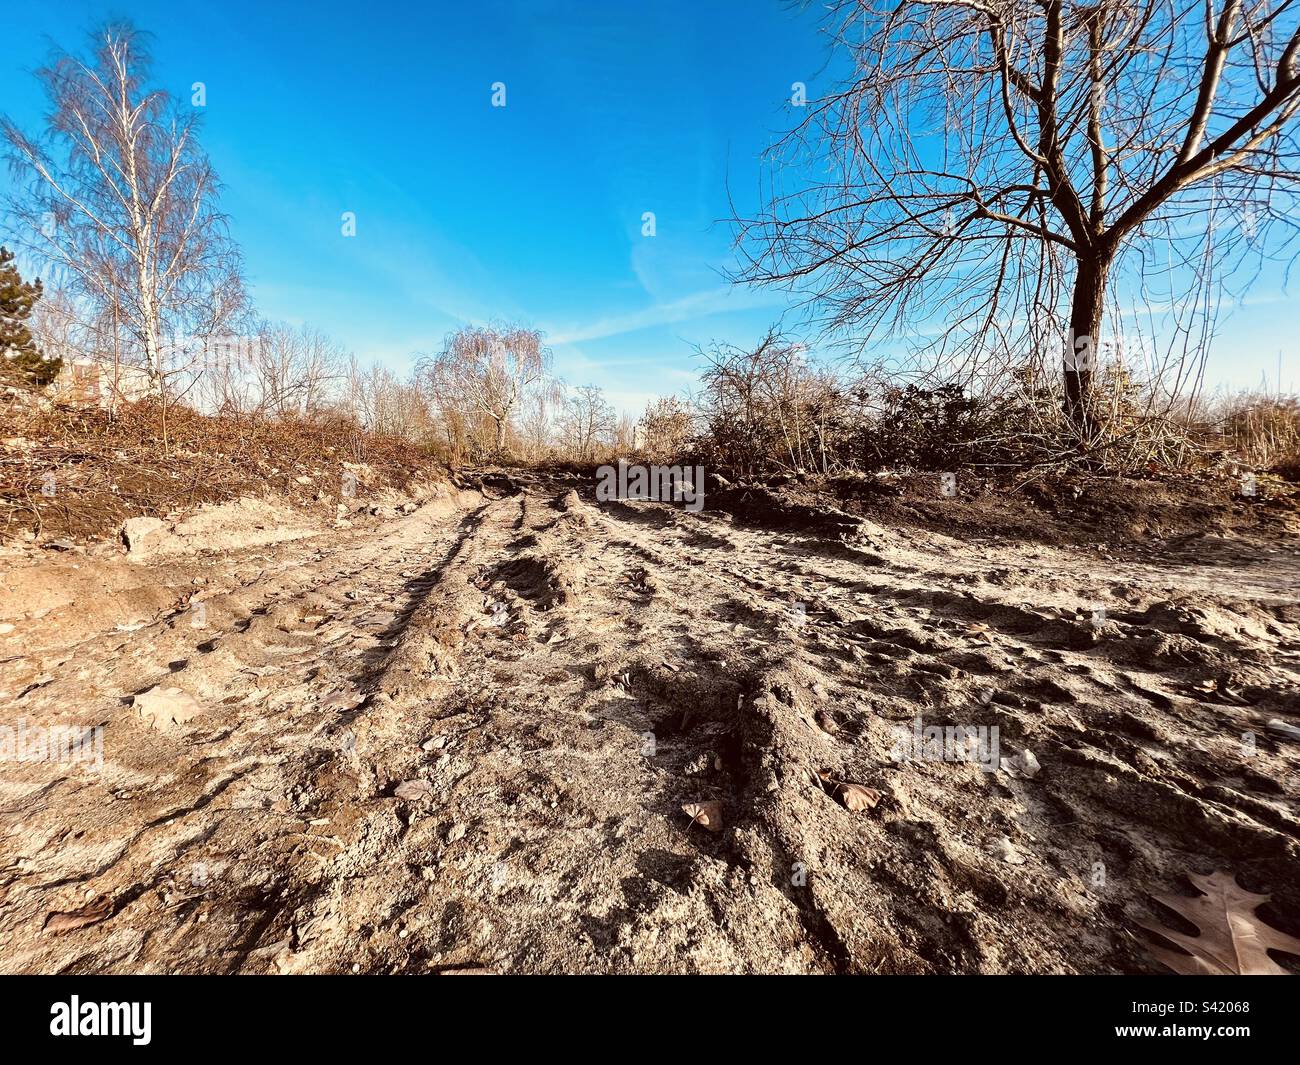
{"x":22,"y":361}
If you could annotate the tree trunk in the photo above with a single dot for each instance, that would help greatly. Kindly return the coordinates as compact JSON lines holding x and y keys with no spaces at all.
{"x":1084,"y":341}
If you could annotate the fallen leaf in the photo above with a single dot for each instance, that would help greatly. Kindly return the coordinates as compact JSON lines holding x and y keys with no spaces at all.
{"x":1233,"y":940}
{"x":162,"y":708}
{"x":413,"y":790}
{"x":705,"y":814}
{"x":91,"y":913}
{"x":855,"y":797}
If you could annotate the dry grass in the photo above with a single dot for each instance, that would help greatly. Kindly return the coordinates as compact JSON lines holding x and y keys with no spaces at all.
{"x":106,"y":469}
{"x":1260,"y":429}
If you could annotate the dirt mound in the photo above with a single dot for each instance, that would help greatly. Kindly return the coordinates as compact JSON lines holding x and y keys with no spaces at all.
{"x":1116,"y":515}
{"x":72,"y":474}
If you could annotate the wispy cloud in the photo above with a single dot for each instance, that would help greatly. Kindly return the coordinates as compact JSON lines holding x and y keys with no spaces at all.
{"x":721,"y":300}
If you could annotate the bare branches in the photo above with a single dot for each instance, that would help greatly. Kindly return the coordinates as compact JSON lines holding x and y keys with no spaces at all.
{"x":488,"y":371}
{"x":995,"y":174}
{"x":119,"y":198}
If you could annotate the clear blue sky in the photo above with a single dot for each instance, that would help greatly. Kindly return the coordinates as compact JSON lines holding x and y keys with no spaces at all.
{"x":529,"y":212}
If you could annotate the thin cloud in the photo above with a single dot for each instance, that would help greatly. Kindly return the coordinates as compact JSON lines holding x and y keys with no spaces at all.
{"x":720,"y":300}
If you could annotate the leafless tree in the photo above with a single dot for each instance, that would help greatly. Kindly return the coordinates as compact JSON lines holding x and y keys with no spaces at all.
{"x":296,"y":369}
{"x":666,"y":427}
{"x":766,"y":405}
{"x":588,"y":421}
{"x":537,"y":421}
{"x":1005,"y":170}
{"x":487,"y":371}
{"x":118,"y":195}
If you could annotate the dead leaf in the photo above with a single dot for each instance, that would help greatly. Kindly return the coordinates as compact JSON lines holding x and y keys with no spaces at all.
{"x":1233,"y":941}
{"x":414,"y":790}
{"x":705,"y":814}
{"x":91,"y":913}
{"x":855,"y":797}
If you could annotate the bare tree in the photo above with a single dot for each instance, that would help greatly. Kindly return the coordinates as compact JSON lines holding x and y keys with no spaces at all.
{"x":666,"y":428}
{"x":537,"y":420}
{"x":999,"y":168}
{"x":766,"y":406}
{"x":488,"y":371}
{"x":588,"y":420}
{"x":118,"y":194}
{"x":296,"y":369}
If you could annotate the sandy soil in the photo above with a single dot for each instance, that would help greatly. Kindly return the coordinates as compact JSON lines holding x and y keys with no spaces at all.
{"x":462,"y":738}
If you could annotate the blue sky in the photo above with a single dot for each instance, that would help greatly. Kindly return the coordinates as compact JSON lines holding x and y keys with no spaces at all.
{"x":530,"y":212}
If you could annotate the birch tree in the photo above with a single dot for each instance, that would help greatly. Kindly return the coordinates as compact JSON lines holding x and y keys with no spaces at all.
{"x":118,"y":196}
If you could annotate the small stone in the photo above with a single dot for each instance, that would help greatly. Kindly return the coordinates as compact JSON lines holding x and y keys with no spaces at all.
{"x":1006,"y":850}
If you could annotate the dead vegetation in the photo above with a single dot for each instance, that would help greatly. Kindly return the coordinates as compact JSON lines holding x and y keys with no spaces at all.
{"x":75,"y":473}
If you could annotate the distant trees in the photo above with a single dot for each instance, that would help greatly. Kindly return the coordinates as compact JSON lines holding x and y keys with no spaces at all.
{"x":587,"y":423}
{"x":488,"y":372}
{"x":21,"y":361}
{"x":296,"y":369}
{"x":765,"y":406}
{"x":666,"y":428}
{"x":117,"y":195}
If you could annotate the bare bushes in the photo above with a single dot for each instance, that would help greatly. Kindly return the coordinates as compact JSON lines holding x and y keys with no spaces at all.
{"x":766,"y":411}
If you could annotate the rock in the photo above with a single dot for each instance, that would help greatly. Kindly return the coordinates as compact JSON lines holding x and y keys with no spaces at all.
{"x":1006,"y":850}
{"x":1283,"y":729}
{"x":5,"y":628}
{"x":162,"y":708}
{"x":139,"y":534}
{"x":457,"y":831}
{"x":1022,"y":765}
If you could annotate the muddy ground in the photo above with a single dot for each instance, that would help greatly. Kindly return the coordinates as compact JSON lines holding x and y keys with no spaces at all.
{"x":461,"y":738}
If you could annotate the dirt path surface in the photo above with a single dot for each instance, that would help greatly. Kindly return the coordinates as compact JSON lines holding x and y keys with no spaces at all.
{"x":462,"y":740}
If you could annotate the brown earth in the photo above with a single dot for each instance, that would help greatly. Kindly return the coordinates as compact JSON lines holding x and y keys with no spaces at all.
{"x":461,"y":738}
{"x":71,"y":475}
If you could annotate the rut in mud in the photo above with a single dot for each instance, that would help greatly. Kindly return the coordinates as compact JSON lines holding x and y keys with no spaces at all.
{"x":462,"y":740}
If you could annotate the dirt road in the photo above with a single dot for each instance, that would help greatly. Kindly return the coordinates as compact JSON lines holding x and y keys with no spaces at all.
{"x":462,"y":739}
